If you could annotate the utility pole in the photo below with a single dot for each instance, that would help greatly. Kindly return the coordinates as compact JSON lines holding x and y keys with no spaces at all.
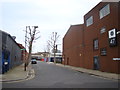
{"x":25,"y":65}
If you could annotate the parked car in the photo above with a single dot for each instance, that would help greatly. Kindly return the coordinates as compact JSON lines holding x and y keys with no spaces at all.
{"x":33,"y":61}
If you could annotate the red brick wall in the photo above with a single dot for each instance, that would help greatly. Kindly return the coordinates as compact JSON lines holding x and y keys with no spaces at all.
{"x":110,"y":21}
{"x":72,"y":43}
{"x":78,"y":41}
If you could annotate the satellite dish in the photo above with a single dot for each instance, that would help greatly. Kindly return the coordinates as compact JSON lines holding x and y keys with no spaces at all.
{"x":14,"y":37}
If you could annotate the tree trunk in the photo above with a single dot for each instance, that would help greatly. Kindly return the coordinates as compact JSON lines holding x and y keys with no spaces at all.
{"x":29,"y":55}
{"x":54,"y":58}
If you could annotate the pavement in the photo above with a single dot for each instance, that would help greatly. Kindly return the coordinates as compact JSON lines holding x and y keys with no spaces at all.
{"x":18,"y":73}
{"x":94,"y":72}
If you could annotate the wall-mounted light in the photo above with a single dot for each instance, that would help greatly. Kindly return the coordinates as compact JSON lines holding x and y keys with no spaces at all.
{"x":118,"y":32}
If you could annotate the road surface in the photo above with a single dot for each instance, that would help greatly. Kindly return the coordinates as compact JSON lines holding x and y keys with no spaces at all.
{"x":48,"y":75}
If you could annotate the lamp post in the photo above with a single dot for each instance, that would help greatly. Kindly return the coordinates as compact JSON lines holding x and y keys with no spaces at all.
{"x":56,"y":51}
{"x":25,"y":48}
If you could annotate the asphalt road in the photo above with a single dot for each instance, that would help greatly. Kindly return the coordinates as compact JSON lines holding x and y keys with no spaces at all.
{"x":52,"y":76}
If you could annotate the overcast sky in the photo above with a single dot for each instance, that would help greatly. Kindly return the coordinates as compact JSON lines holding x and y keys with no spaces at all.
{"x":49,"y":15}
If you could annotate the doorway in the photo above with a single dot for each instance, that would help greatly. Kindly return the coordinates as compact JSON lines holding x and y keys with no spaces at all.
{"x":5,"y":61}
{"x":96,"y":63}
{"x":67,"y":60}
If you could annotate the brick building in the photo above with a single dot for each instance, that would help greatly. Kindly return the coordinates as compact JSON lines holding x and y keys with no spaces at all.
{"x":24,"y":52}
{"x":72,"y":45}
{"x":94,"y":44}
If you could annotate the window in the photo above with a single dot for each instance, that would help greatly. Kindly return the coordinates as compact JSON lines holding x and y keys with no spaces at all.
{"x":104,"y":11}
{"x":95,"y":44}
{"x":89,"y":21}
{"x":103,"y":51}
{"x":102,"y":30}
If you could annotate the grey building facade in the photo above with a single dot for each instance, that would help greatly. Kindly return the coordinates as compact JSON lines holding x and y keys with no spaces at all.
{"x":10,"y":52}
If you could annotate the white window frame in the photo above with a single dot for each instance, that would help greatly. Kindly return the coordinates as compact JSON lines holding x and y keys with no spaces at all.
{"x":104,"y":11}
{"x":89,"y":21}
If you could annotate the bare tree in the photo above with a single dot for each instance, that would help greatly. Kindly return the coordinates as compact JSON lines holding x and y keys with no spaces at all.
{"x":47,"y":49}
{"x":30,"y":37}
{"x":52,"y":42}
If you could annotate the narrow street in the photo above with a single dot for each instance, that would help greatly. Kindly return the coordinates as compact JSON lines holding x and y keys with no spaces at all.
{"x":48,"y":75}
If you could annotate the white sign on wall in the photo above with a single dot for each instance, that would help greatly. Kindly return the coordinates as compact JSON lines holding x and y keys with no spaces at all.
{"x":112,"y":33}
{"x":112,"y":37}
{"x":116,"y":58}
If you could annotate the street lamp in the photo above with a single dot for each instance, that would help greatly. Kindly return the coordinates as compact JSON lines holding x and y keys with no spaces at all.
{"x":35,"y":27}
{"x":118,"y":32}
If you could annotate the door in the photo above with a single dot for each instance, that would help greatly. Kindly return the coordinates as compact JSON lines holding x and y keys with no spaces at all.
{"x":96,"y":63}
{"x":5,"y":61}
{"x":67,"y":60}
